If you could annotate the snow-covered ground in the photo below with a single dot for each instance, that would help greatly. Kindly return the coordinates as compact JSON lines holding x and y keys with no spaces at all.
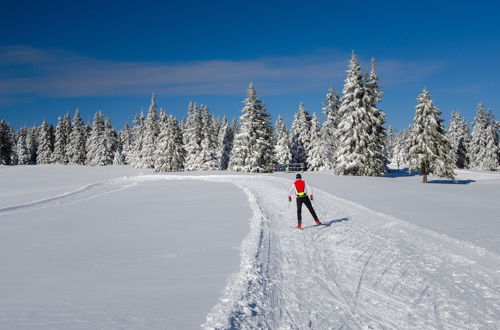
{"x":115,"y":247}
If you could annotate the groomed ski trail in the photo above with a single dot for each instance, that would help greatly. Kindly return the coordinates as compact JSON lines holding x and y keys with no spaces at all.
{"x":365,"y":270}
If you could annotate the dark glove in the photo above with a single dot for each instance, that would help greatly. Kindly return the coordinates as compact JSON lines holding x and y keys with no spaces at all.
{"x":289,"y":198}
{"x":312,"y":197}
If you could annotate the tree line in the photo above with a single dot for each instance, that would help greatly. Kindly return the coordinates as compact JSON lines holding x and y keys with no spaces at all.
{"x":352,"y":140}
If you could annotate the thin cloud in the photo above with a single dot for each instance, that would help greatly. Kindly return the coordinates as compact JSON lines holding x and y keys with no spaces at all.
{"x":58,"y":73}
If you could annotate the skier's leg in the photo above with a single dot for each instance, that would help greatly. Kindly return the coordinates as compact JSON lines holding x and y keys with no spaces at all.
{"x":308,"y":203}
{"x":299,"y":210}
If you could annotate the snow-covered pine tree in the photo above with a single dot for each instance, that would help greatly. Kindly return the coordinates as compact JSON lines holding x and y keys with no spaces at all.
{"x":192,"y":138}
{"x":32,"y":144}
{"x":282,"y":152}
{"x":126,"y":143}
{"x":330,"y":108}
{"x":491,"y":157}
{"x":76,"y":149}
{"x":458,"y":134}
{"x":208,"y":155}
{"x":96,"y":145}
{"x":225,"y":144}
{"x":377,"y":160}
{"x":400,"y":149}
{"x":252,"y":149}
{"x":44,"y":153}
{"x":360,"y":134}
{"x":391,"y":140}
{"x":316,"y":160}
{"x":137,"y":135}
{"x":21,"y":147}
{"x":300,"y":136}
{"x":483,"y":148}
{"x":170,"y":151}
{"x":477,"y":146}
{"x":151,"y":132}
{"x":6,"y":146}
{"x":62,"y":136}
{"x":429,"y":150}
{"x":351,"y":155}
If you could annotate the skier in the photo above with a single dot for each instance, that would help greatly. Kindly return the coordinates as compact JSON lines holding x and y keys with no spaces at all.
{"x":301,"y":190}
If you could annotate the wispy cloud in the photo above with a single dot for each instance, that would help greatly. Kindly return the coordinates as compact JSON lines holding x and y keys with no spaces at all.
{"x":59,"y":73}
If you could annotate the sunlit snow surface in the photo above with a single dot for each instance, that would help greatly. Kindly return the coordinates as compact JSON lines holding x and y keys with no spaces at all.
{"x":119,"y":248}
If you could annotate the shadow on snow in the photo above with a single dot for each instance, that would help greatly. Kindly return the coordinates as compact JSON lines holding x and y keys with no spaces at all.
{"x":327,"y":223}
{"x":451,"y":181}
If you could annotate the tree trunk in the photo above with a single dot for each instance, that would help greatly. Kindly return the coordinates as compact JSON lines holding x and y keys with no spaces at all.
{"x":424,"y":178}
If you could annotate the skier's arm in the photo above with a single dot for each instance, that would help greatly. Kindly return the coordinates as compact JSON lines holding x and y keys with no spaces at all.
{"x":290,"y":190}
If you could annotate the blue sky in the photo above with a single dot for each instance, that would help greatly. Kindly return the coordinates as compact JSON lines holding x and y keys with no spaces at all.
{"x":56,"y":56}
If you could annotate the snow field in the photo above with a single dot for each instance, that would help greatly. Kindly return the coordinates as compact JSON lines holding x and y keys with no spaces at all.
{"x":143,"y":257}
{"x":365,"y":269}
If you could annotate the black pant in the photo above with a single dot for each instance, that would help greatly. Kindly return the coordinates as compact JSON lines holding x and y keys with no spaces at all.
{"x":305,"y":200}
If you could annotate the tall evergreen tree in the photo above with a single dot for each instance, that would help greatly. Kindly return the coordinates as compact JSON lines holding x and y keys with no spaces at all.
{"x":32,"y":144}
{"x":429,"y":151}
{"x":44,"y":152}
{"x":126,"y":141}
{"x":208,"y":156}
{"x":377,"y":160}
{"x":193,"y":137}
{"x":352,"y":136}
{"x":96,"y":145}
{"x":282,"y":152}
{"x":6,"y":145}
{"x":149,"y":137}
{"x":21,"y":147}
{"x":360,"y":135}
{"x":62,"y":136}
{"x":316,"y":161}
{"x":225,"y":144}
{"x":170,"y":151}
{"x":76,"y":149}
{"x":492,"y":154}
{"x":300,"y":136}
{"x":137,"y":134}
{"x":252,"y":150}
{"x":458,"y":134}
{"x":329,"y":144}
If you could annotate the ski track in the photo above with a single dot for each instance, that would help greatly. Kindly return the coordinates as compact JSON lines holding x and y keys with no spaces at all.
{"x":365,"y":270}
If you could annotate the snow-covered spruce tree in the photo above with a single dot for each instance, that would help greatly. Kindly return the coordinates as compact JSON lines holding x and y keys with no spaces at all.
{"x":6,"y":146}
{"x":300,"y":136}
{"x":429,"y":150}
{"x":76,"y":149}
{"x":352,"y":156}
{"x":137,"y":135}
{"x":63,"y":131}
{"x":316,"y":161}
{"x":330,"y":108}
{"x":483,"y":145}
{"x":400,"y":149}
{"x":126,"y":143}
{"x":32,"y":144}
{"x":459,"y":137}
{"x":391,"y":140}
{"x":192,"y":136}
{"x":44,"y":153}
{"x":377,"y":160}
{"x":225,"y":144}
{"x":21,"y":147}
{"x":150,"y":134}
{"x":208,"y":154}
{"x":170,"y":151}
{"x":96,"y":145}
{"x":282,"y":153}
{"x":252,"y":149}
{"x":492,"y":155}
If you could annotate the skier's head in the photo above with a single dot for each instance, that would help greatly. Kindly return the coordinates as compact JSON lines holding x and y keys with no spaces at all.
{"x":298,"y":176}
